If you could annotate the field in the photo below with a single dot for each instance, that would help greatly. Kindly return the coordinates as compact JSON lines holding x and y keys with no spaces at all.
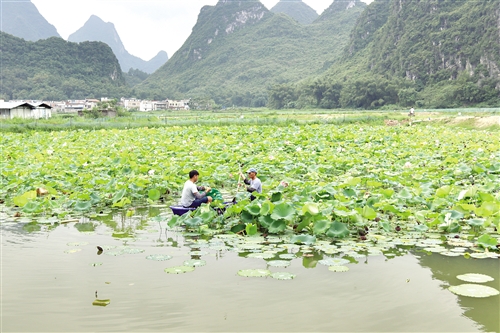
{"x":322,"y":180}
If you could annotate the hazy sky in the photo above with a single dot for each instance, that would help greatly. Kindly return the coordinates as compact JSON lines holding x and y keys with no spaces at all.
{"x":145,"y":26}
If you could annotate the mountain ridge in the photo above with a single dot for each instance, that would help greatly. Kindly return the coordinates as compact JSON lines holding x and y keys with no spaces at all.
{"x":95,"y":29}
{"x":296,"y":9}
{"x":22,"y":19}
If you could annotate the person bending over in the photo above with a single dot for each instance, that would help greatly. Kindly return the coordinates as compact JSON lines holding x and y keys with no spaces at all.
{"x":191,"y":197}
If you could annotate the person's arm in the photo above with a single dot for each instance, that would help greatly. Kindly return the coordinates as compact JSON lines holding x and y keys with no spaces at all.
{"x":200,"y":188}
{"x":251,"y":189}
{"x":246,"y":181}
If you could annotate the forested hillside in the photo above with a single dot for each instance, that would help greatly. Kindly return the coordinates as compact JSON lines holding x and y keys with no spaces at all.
{"x":296,"y":9}
{"x":22,"y":19}
{"x":53,"y":69}
{"x":239,"y":49}
{"x":411,"y":53}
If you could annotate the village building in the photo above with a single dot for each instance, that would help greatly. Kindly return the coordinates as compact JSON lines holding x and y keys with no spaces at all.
{"x":25,"y":110}
{"x":131,"y":104}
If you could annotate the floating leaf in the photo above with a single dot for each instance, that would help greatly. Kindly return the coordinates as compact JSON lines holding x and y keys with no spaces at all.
{"x":283,"y":276}
{"x":487,"y":242}
{"x":72,"y":251}
{"x":334,"y":262}
{"x":303,"y":239}
{"x":474,"y":277}
{"x":287,"y":256}
{"x":261,"y":255}
{"x":179,"y":270}
{"x":254,"y":272}
{"x":279,"y":263}
{"x":473,"y":290}
{"x":83,"y":205}
{"x":198,"y":253}
{"x":195,"y":263}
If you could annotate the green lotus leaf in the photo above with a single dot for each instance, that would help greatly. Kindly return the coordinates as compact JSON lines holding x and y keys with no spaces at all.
{"x":31,"y":207}
{"x":251,"y":229}
{"x":443,"y":191}
{"x":247,"y":217}
{"x":237,"y":228}
{"x":287,"y":256}
{"x":283,"y":276}
{"x":179,"y":269}
{"x":368,"y":213}
{"x":311,"y":208}
{"x":266,"y":221}
{"x":349,"y":192}
{"x":279,"y":263}
{"x":421,"y":228}
{"x":260,"y":255}
{"x":119,"y":195}
{"x":338,"y":230}
{"x":283,"y":211}
{"x":334,"y":262}
{"x":276,"y":196}
{"x":475,"y":278}
{"x":266,"y":208}
{"x":468,"y":193}
{"x":473,"y":290}
{"x":388,"y":193}
{"x":253,"y":209}
{"x":195,"y":263}
{"x":303,"y":239}
{"x":385,"y":226}
{"x":488,"y":242}
{"x":159,"y":257}
{"x":122,"y":202}
{"x":277,"y":227}
{"x":82,"y":205}
{"x":254,"y":272}
{"x":476,"y":222}
{"x":193,"y":222}
{"x":338,"y":269}
{"x":154,"y":194}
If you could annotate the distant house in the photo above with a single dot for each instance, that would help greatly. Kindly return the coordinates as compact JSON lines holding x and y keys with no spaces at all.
{"x":25,"y":110}
{"x":160,"y":106}
{"x":178,"y":105}
{"x":91,"y":103}
{"x":146,"y":106}
{"x":130,"y":104}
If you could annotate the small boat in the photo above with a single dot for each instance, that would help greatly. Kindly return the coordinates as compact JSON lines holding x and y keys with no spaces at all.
{"x":181,"y":210}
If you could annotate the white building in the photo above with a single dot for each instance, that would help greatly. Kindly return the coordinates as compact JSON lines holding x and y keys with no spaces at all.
{"x":146,"y":106}
{"x":10,"y":110}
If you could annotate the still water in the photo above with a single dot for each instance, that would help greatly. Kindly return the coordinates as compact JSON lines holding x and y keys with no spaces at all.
{"x":52,"y":273}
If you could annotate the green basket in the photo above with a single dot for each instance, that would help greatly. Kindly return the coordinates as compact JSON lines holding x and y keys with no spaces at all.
{"x":215,"y":194}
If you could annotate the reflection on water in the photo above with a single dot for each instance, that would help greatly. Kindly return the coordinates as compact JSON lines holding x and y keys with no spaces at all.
{"x":54,"y":287}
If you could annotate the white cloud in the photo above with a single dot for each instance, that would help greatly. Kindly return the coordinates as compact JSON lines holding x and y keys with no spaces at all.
{"x":144,"y":26}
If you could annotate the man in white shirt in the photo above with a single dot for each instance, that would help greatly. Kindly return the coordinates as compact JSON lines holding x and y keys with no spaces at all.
{"x":254,"y":183}
{"x":191,"y":197}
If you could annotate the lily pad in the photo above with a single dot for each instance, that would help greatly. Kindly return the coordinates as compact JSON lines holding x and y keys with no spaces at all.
{"x":474,"y":277}
{"x":179,"y":270}
{"x":72,"y":251}
{"x":283,"y":276}
{"x":474,"y":290}
{"x":254,"y":272}
{"x":198,"y":253}
{"x":159,"y":257}
{"x":279,"y":263}
{"x":334,"y":262}
{"x":261,"y":255}
{"x":338,"y":268}
{"x":195,"y":263}
{"x":287,"y":256}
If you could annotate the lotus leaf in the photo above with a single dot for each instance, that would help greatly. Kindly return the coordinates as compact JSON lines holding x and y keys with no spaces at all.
{"x":195,"y":263}
{"x":283,"y":276}
{"x":101,"y":302}
{"x":311,"y":208}
{"x":179,"y":269}
{"x":159,"y":257}
{"x":287,"y":256}
{"x":334,"y":262}
{"x":253,"y":209}
{"x":277,"y":226}
{"x":198,"y":253}
{"x":254,"y":272}
{"x":303,"y":239}
{"x":279,"y":263}
{"x":473,"y":290}
{"x":338,"y":230}
{"x":283,"y":211}
{"x":488,"y":242}
{"x":476,"y":278}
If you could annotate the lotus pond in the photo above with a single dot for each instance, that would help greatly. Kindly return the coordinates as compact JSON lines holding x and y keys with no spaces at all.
{"x":359,"y":228}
